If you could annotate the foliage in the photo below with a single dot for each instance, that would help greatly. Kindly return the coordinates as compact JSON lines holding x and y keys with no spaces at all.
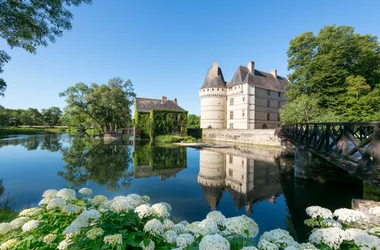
{"x":29,"y":24}
{"x":165,"y":122}
{"x":29,"y":117}
{"x":167,"y":139}
{"x":143,"y":124}
{"x":194,"y":121}
{"x":30,"y":131}
{"x":51,"y":116}
{"x":6,"y":212}
{"x":107,"y":105}
{"x":335,"y":77}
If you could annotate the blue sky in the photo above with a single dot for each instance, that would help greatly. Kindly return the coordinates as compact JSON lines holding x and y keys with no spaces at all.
{"x":165,"y":47}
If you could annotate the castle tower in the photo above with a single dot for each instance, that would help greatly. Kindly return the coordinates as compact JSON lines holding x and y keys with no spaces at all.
{"x":213,"y":95}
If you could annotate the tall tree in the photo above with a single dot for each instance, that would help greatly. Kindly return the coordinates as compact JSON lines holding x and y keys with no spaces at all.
{"x":51,"y":116}
{"x":108,"y":105}
{"x":193,"y":121}
{"x":29,"y":24}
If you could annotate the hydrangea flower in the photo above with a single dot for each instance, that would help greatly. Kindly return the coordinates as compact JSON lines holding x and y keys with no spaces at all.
{"x":266,"y":245}
{"x":19,"y":222}
{"x":113,"y":240}
{"x":160,"y":210}
{"x":216,"y":216}
{"x":241,"y":224}
{"x":143,"y":211}
{"x":210,"y":225}
{"x":330,"y":223}
{"x":67,"y":194}
{"x":168,"y":206}
{"x":64,"y":245}
{"x":249,"y":248}
{"x":125,"y":203}
{"x":170,"y":236}
{"x":349,"y":216}
{"x":185,"y":240}
{"x":82,"y":221}
{"x":44,"y":201}
{"x":50,"y":194}
{"x":94,"y":233}
{"x":30,"y":211}
{"x":375,"y":211}
{"x":85,"y":191}
{"x":367,"y":242}
{"x":280,"y":238}
{"x":30,"y":225}
{"x":185,"y":223}
{"x":214,"y":242}
{"x":150,"y":246}
{"x":71,"y":209}
{"x":154,"y":227}
{"x":56,"y":202}
{"x":179,"y":228}
{"x":9,"y":244}
{"x":48,"y":239}
{"x":98,"y":199}
{"x":168,"y":224}
{"x":317,"y":211}
{"x":307,"y":246}
{"x":291,"y":248}
{"x":332,"y":236}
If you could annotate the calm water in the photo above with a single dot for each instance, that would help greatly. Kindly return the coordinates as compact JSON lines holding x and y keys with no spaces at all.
{"x":194,"y":182}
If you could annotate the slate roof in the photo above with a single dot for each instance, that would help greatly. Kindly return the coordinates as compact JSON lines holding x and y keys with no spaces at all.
{"x":212,"y":81}
{"x":147,"y":104}
{"x":259,"y":78}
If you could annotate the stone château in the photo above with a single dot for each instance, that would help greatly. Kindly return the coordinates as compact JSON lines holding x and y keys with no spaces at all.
{"x":251,"y":100}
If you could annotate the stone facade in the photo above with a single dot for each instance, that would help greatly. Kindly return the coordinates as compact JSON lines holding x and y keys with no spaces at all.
{"x":251,"y":100}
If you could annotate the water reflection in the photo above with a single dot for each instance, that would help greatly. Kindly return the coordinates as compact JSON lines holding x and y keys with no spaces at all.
{"x":49,"y":142}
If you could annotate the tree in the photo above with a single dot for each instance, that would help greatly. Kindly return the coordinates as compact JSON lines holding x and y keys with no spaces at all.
{"x":51,"y":116}
{"x":336,"y":68}
{"x":107,"y":105}
{"x":31,"y":117}
{"x":29,"y":24}
{"x":193,"y":121}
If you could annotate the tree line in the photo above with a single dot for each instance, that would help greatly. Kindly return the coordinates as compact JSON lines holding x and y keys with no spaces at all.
{"x":30,"y":117}
{"x":335,"y":77}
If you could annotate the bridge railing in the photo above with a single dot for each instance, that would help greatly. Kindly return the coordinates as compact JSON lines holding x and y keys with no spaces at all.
{"x":354,"y":146}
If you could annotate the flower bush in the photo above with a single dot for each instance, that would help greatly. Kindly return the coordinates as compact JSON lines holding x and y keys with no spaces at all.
{"x":67,"y":219}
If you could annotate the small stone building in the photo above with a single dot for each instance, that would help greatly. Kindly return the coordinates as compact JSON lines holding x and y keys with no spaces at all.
{"x":251,"y":100}
{"x":153,"y":117}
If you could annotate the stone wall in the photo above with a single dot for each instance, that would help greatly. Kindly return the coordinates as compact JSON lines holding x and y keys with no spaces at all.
{"x":255,"y":137}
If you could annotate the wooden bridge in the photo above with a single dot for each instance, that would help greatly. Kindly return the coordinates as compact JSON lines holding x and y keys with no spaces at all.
{"x":353,"y":146}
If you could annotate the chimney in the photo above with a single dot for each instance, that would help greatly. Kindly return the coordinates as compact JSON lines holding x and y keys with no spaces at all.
{"x":251,"y":67}
{"x":274,"y":73}
{"x":175,"y":101}
{"x":215,"y":69}
{"x":163,"y":99}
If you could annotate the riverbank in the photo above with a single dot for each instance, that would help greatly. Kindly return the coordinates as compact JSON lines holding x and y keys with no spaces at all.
{"x":31,"y":130}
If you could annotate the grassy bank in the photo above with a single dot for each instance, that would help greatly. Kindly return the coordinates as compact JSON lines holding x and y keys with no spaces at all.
{"x":30,"y":130}
{"x":174,"y":139}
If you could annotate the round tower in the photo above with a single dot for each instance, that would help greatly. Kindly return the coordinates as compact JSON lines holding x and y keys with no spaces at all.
{"x":213,"y":95}
{"x":212,"y":169}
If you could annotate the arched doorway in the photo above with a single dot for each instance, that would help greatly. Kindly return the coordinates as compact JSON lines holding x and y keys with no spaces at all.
{"x":265,"y":126}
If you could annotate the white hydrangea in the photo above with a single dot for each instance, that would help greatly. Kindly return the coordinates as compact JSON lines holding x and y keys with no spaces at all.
{"x":291,"y":248}
{"x":99,"y":199}
{"x":113,"y":240}
{"x":210,"y":225}
{"x":216,"y":216}
{"x":150,"y":246}
{"x":94,"y":233}
{"x":143,"y":211}
{"x":331,"y":236}
{"x":44,"y":201}
{"x":74,"y":228}
{"x":50,"y":194}
{"x":168,"y":224}
{"x":168,"y":206}
{"x":249,"y":248}
{"x":266,"y":245}
{"x":19,"y":222}
{"x":179,"y":228}
{"x":349,"y":216}
{"x":30,"y":225}
{"x":125,"y":203}
{"x":214,"y":242}
{"x":48,"y":239}
{"x":375,"y":211}
{"x":30,"y":211}
{"x":81,"y":221}
{"x":5,"y":227}
{"x":67,"y":194}
{"x":185,"y":223}
{"x":9,"y":244}
{"x":71,"y":209}
{"x":160,"y":210}
{"x":56,"y":202}
{"x":85,"y":191}
{"x":317,"y":211}
{"x":367,"y":242}
{"x":170,"y":236}
{"x":196,"y":230}
{"x":184,"y":240}
{"x":241,"y":223}
{"x":330,"y":223}
{"x":154,"y":227}
{"x":307,"y":246}
{"x":280,"y":238}
{"x":64,"y":245}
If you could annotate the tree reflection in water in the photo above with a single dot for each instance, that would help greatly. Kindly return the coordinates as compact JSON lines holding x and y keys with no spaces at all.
{"x":87,"y":159}
{"x":49,"y":142}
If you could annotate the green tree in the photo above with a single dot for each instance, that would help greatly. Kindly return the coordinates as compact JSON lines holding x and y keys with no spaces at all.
{"x":357,"y":85}
{"x":29,"y":24}
{"x":107,"y":105}
{"x":51,"y":116}
{"x":193,"y":121}
{"x":31,"y":117}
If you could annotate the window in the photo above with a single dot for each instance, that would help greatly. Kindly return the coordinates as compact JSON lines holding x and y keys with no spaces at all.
{"x":243,"y":98}
{"x":242,"y":162}
{"x":231,"y":115}
{"x":242,"y":177}
{"x":231,"y":101}
{"x":268,"y":92}
{"x":278,"y":117}
{"x":231,"y":159}
{"x":230,"y":173}
{"x":279,"y":104}
{"x":231,"y":125}
{"x":268,"y":103}
{"x":268,"y":116}
{"x":217,"y":89}
{"x":279,"y":94}
{"x":243,"y":113}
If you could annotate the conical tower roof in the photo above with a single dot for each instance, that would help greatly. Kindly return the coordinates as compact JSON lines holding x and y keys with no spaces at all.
{"x":214,"y":78}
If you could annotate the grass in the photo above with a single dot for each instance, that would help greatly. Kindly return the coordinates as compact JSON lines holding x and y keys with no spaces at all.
{"x":162,"y":139}
{"x":7,"y":214}
{"x":31,"y":130}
